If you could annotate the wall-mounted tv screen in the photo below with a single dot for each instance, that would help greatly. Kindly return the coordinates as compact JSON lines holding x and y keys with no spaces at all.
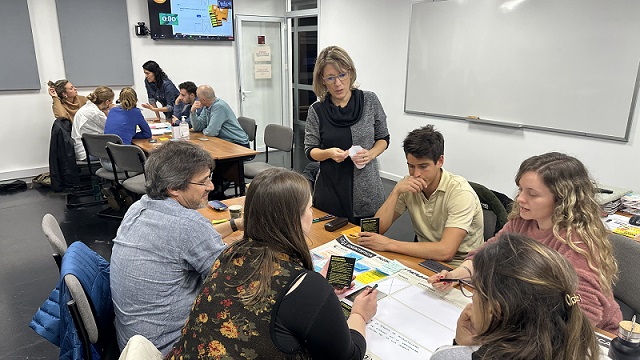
{"x":191,"y":19}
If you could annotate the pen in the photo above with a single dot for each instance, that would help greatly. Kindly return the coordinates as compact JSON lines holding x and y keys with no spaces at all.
{"x":449,"y":280}
{"x":604,"y":191}
{"x":215,"y":222}
{"x":326,"y":217}
{"x":373,"y":288}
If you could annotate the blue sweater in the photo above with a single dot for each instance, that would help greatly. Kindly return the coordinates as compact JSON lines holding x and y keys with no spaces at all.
{"x":123,"y":123}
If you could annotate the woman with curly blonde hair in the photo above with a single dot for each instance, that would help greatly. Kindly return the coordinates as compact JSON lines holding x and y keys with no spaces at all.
{"x":556,"y":206}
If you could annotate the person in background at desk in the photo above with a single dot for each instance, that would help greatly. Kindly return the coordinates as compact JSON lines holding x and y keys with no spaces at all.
{"x":525,"y":306}
{"x":556,"y":206}
{"x":217,"y":118}
{"x":123,"y":120}
{"x":263,"y":298}
{"x":159,"y":89}
{"x":445,"y":211}
{"x":164,"y":248}
{"x":66,"y":101}
{"x":183,"y":103}
{"x":91,"y":118}
{"x":345,"y":116}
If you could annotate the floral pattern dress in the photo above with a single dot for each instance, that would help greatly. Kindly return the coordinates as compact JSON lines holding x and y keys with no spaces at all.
{"x":221,"y":327}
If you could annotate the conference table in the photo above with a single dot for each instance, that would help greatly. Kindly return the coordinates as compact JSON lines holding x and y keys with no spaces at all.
{"x":319,"y":236}
{"x":223,"y":152}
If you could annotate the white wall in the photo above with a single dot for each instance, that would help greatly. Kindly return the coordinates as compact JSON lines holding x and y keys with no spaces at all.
{"x":375,"y":33}
{"x":24,"y":145}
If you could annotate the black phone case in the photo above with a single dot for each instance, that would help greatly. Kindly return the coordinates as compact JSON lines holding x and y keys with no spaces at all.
{"x":336,"y":224}
{"x":217,"y":205}
{"x":434,"y":266}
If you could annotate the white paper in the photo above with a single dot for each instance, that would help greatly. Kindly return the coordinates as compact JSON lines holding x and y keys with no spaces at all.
{"x":352,"y":152}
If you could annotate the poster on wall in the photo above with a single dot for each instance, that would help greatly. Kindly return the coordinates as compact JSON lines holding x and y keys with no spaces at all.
{"x":262,"y":53}
{"x":262,"y":71}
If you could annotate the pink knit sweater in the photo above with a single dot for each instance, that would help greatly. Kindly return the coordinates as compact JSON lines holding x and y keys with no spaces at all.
{"x":602,"y":310}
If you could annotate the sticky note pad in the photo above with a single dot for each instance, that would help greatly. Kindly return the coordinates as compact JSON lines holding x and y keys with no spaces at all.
{"x":340,"y":271}
{"x":391,"y":267}
{"x":359,"y":267}
{"x":352,"y":234}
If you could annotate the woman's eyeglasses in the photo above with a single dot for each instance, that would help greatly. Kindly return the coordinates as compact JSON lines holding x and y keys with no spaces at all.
{"x":461,"y":284}
{"x":206,"y":182}
{"x":332,"y":79}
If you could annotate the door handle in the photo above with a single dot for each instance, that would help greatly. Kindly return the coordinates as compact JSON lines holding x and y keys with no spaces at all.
{"x":244,"y":94}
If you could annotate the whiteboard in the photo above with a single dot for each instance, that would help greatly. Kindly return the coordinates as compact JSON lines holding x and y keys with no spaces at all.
{"x":567,"y":66}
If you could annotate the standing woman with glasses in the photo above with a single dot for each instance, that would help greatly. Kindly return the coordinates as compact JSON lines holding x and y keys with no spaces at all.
{"x":159,"y":89}
{"x":345,"y":116}
{"x":556,"y":206}
{"x":66,"y":101}
{"x":525,"y":306}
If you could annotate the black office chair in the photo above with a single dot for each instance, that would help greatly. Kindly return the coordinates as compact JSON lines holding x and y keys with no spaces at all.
{"x":627,"y":288}
{"x":95,"y":145}
{"x":275,"y":136}
{"x":493,"y":210}
{"x":130,"y":159}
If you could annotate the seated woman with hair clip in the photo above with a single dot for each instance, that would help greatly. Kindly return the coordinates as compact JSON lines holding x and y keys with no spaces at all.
{"x":262,"y":298}
{"x":91,"y":118}
{"x":556,"y":206}
{"x":525,"y":306}
{"x":66,"y":101}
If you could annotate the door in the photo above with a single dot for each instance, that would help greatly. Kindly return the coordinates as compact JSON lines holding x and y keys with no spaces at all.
{"x":262,"y":71}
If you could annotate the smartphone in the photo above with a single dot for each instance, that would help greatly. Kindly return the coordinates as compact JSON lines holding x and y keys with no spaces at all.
{"x":434,"y":266}
{"x":153,"y":141}
{"x":217,"y":205}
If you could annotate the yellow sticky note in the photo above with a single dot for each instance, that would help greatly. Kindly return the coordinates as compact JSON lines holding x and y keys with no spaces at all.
{"x":220,"y":221}
{"x":370,"y":276}
{"x":352,"y":234}
{"x":163,"y":138}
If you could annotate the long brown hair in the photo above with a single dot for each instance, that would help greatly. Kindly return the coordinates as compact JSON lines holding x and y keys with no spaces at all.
{"x":275,"y":202}
{"x":576,"y":211}
{"x":521,"y":289}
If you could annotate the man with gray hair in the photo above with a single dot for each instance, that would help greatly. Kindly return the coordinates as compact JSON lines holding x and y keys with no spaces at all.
{"x":164,"y":248}
{"x":217,"y":118}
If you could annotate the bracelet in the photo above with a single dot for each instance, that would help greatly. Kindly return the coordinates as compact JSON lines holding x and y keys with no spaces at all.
{"x":468,"y":270}
{"x":232,"y":222}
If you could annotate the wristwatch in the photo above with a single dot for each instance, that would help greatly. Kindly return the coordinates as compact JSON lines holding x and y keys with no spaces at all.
{"x":232,"y":222}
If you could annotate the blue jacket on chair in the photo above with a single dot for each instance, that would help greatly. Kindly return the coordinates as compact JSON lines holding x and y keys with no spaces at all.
{"x":53,"y":320}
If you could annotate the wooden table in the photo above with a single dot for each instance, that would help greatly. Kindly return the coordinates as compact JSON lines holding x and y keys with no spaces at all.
{"x":222,"y":151}
{"x":319,"y":236}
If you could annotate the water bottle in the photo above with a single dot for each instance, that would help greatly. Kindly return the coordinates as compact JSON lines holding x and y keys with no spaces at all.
{"x":627,"y":345}
{"x":175,"y":132}
{"x":184,"y":128}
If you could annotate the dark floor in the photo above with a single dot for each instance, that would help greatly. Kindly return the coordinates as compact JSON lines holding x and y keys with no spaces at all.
{"x":28,"y":272}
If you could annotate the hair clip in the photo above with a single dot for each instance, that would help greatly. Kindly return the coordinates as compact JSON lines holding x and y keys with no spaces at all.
{"x":572,"y":300}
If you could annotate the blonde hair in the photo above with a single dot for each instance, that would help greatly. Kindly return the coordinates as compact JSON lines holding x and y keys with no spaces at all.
{"x":521,"y":290}
{"x":339,"y":59}
{"x":128,"y":98}
{"x":576,"y":211}
{"x":100,"y":95}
